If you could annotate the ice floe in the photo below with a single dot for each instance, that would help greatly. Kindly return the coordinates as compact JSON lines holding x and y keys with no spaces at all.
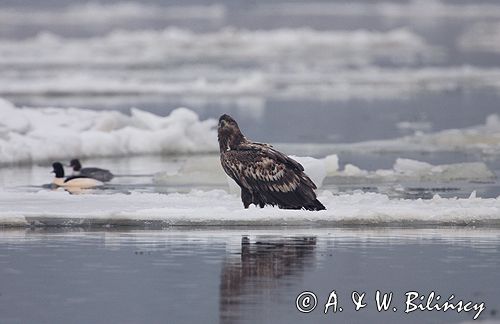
{"x":413,"y":9}
{"x":484,"y":138}
{"x":207,"y":171}
{"x":218,"y":85}
{"x":173,"y":45}
{"x":291,"y":63}
{"x":44,"y":134}
{"x":100,"y":14}
{"x":481,"y":37}
{"x":408,"y":169}
{"x":218,"y":208}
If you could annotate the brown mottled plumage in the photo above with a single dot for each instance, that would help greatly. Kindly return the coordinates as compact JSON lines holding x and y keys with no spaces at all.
{"x":265,"y":176}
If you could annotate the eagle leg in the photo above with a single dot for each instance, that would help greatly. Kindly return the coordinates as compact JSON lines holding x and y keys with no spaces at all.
{"x":246,"y":197}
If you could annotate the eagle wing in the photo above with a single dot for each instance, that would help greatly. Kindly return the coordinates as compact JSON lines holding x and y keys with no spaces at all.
{"x":270,"y":176}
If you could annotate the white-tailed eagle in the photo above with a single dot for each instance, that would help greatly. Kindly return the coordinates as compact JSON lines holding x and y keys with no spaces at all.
{"x":265,"y":176}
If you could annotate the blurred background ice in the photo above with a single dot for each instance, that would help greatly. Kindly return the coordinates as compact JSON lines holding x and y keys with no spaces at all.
{"x":416,"y":79}
{"x":346,"y":71}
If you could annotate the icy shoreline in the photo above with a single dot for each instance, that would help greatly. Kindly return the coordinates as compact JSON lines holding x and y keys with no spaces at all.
{"x":218,"y":208}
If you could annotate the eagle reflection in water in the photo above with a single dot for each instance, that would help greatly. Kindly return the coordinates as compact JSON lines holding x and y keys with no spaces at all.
{"x":262,"y":268}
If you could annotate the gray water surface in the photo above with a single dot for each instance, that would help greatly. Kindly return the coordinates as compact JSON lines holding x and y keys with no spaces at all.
{"x":241,"y":275}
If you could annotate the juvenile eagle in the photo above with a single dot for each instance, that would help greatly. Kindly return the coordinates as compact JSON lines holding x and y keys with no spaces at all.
{"x":265,"y":176}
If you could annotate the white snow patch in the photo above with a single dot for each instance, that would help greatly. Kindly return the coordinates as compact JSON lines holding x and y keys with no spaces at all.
{"x":44,"y":134}
{"x":314,"y":168}
{"x":350,"y":170}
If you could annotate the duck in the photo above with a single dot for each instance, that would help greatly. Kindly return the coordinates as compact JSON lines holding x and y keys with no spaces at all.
{"x":94,"y":173}
{"x":80,"y":182}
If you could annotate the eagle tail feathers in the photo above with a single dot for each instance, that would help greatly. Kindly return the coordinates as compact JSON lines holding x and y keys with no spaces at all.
{"x":315,"y":205}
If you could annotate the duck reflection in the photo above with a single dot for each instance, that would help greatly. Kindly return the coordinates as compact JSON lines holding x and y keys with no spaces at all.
{"x":261,"y":269}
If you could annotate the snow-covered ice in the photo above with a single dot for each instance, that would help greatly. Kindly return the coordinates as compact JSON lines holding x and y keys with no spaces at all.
{"x":218,"y":208}
{"x":174,"y":44}
{"x":291,"y":82}
{"x":408,"y":169}
{"x":484,"y":138}
{"x":206,"y":170}
{"x":47,"y":134}
{"x":287,"y":63}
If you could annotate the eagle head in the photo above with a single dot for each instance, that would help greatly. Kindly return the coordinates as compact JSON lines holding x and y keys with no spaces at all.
{"x":229,"y":133}
{"x":226,"y":120}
